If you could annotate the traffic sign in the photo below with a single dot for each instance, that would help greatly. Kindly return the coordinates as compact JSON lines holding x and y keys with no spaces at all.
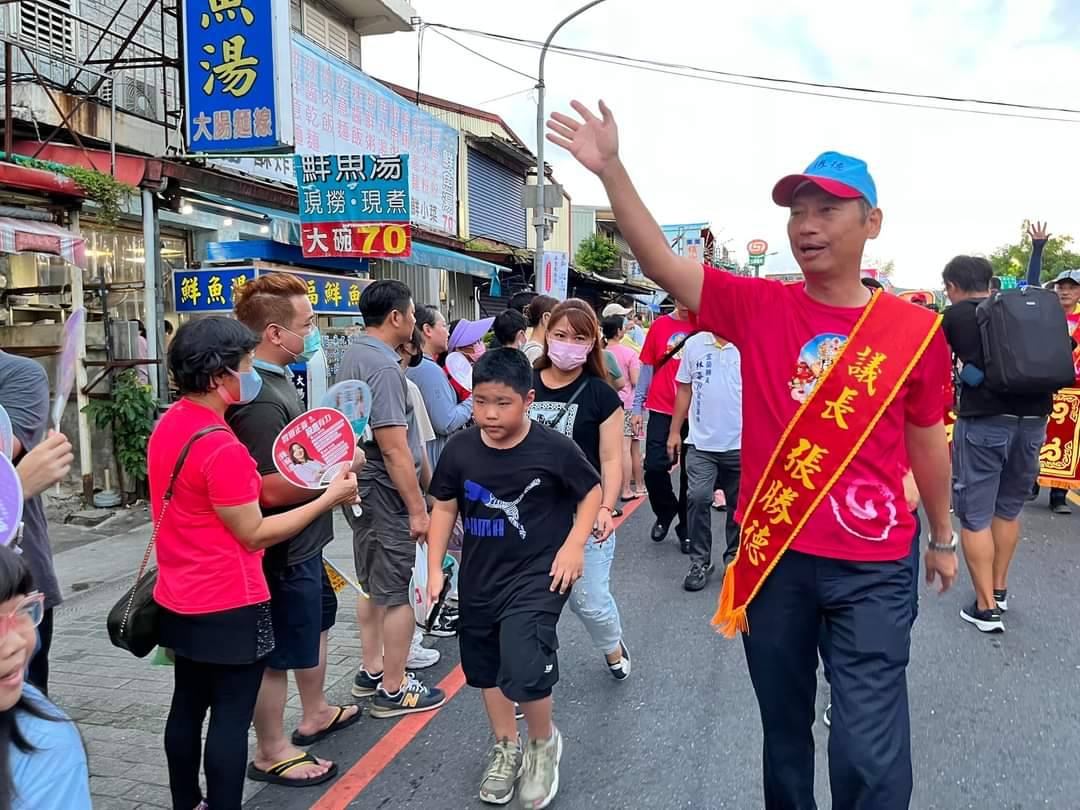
{"x":757,"y":247}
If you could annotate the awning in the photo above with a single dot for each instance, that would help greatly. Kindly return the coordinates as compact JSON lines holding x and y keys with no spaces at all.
{"x":612,"y":284}
{"x":442,"y":259}
{"x":269,"y":251}
{"x":29,"y":236}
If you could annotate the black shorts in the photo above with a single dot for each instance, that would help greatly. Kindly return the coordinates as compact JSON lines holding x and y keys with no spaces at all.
{"x":517,"y":654}
{"x":304,"y":606}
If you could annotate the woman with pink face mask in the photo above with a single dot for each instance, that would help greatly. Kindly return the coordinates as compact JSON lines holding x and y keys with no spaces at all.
{"x":574,"y":396}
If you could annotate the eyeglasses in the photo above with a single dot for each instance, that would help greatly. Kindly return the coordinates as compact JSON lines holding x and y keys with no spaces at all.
{"x":28,"y":614}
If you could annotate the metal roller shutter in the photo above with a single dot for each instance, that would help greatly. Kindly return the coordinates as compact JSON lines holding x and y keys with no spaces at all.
{"x":495,"y":201}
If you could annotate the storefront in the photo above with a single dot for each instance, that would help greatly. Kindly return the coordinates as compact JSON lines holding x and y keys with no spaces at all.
{"x":335,"y":297}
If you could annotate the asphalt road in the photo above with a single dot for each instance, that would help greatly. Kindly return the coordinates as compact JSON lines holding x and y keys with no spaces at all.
{"x":995,"y":719}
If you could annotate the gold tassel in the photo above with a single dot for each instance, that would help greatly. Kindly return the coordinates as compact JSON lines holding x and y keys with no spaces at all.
{"x":727,"y":619}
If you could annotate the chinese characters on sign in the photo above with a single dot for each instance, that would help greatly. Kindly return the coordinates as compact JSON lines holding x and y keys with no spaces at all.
{"x":354,"y":206}
{"x":214,"y":289}
{"x":237,"y":74}
{"x":337,"y":109}
{"x":554,"y":278}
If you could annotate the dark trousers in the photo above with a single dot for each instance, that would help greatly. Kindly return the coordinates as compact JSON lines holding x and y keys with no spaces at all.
{"x":228,"y":692}
{"x":866,"y":608}
{"x":658,"y":465}
{"x":913,"y":559}
{"x":705,"y":471}
{"x":38,"y":671}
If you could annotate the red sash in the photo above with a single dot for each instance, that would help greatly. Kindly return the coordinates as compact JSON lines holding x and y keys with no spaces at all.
{"x":819,"y":443}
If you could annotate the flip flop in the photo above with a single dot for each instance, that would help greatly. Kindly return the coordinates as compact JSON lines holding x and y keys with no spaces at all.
{"x":633,"y":496}
{"x":275,"y":775}
{"x":339,"y":722}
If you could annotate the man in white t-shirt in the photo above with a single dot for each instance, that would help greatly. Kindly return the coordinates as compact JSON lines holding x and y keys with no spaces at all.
{"x":710,"y":392}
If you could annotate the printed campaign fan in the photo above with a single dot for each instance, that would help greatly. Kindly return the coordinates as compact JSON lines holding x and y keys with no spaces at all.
{"x":460,"y":369}
{"x":352,"y":398}
{"x":11,"y":502}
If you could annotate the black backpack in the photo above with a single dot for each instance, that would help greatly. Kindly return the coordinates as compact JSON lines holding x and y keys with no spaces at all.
{"x":1025,"y":342}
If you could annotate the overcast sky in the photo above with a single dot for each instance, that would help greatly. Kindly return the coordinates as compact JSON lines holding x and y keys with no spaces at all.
{"x":947,"y":182}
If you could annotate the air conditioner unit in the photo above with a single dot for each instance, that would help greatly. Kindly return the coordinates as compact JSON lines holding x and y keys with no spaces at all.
{"x":134,"y":96}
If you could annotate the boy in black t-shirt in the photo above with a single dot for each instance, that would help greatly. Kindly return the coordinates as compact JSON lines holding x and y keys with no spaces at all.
{"x":528,"y":498}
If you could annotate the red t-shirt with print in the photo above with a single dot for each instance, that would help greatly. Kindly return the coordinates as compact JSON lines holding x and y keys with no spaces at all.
{"x":202,"y":567}
{"x":786,"y":339}
{"x":664,"y":335}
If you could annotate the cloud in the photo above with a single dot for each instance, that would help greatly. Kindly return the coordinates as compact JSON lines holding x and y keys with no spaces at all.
{"x":949,"y":183}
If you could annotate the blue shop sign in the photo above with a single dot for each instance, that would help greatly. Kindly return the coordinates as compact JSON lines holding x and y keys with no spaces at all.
{"x":209,"y":290}
{"x":214,"y":290}
{"x":353,"y":188}
{"x":238,"y":75}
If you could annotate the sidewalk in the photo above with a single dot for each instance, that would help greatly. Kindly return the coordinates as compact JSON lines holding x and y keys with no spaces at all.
{"x":120,"y":702}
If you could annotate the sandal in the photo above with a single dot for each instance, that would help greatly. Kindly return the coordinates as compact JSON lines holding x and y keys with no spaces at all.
{"x":339,"y":722}
{"x":633,"y":496}
{"x":275,"y":775}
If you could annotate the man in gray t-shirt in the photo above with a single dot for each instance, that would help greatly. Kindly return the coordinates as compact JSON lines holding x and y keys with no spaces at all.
{"x":24,"y":393}
{"x":395,"y":514}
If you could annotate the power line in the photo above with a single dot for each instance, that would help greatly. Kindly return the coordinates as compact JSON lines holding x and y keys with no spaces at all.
{"x":812,"y":88}
{"x":528,"y":89}
{"x":477,"y":53}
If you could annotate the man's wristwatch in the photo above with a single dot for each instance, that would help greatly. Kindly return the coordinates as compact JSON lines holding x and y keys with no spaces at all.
{"x":950,"y":548}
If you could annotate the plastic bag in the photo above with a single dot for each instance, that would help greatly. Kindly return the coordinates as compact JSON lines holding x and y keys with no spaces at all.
{"x":418,"y":587}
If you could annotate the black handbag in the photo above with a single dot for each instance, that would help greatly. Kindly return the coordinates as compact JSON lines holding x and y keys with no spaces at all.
{"x":133,"y":621}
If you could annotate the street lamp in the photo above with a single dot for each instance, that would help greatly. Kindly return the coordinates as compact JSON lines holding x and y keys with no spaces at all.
{"x":539,"y":220}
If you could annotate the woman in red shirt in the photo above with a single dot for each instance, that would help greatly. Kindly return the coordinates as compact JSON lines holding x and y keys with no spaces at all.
{"x":214,"y":599}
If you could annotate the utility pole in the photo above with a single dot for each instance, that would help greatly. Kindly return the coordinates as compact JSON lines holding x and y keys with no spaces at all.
{"x":539,"y":216}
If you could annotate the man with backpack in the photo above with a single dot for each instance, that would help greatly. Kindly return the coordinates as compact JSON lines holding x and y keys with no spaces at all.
{"x":1010,"y":351}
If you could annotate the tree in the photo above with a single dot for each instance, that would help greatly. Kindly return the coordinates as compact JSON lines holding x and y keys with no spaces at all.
{"x":1012,"y":260}
{"x":597,"y":254}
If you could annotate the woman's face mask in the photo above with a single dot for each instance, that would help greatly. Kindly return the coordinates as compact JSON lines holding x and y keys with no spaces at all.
{"x":250,"y":385}
{"x":568,"y":356}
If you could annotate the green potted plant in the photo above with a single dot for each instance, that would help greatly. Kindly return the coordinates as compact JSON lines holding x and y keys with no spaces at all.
{"x":130,"y":411}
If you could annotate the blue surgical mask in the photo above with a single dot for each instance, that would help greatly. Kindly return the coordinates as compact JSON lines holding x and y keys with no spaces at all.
{"x":250,"y":385}
{"x":312,"y":344}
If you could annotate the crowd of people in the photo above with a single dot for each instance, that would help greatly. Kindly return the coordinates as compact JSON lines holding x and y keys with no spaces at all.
{"x":513,"y":443}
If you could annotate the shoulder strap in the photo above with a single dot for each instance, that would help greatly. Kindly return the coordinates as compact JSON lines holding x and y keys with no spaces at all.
{"x":164,"y":508}
{"x":674,"y":351}
{"x":557,"y":424}
{"x":183,"y":457}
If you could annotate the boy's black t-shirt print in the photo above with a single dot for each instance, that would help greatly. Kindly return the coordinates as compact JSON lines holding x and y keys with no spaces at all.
{"x":517,"y":506}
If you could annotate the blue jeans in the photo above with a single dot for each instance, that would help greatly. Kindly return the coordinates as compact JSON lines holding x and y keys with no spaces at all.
{"x":591,"y":599}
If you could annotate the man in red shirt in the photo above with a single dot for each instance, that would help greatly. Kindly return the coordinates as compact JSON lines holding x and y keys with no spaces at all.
{"x":660,"y":357}
{"x":825,"y":532}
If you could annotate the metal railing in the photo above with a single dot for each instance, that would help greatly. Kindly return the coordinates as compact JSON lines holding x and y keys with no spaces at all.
{"x":122,"y":54}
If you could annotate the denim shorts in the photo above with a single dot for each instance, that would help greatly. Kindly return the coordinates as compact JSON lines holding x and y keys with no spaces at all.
{"x":304,"y":606}
{"x":995,"y":463}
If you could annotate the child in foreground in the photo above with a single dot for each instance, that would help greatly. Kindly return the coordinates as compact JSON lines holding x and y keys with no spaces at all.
{"x":528,"y":498}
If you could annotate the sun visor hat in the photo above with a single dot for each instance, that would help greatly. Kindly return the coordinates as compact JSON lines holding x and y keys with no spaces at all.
{"x":467,"y":332}
{"x":840,"y":175}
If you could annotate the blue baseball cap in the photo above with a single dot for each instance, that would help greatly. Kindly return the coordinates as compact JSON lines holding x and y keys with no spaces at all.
{"x":840,"y":175}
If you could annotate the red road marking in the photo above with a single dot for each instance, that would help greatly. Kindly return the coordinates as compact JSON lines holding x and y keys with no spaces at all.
{"x":404,"y":731}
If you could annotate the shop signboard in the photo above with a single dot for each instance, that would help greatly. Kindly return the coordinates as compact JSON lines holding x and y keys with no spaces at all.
{"x":685,"y":239}
{"x":354,"y":206}
{"x":554,"y":279}
{"x":214,"y":289}
{"x":339,"y":110}
{"x":237,"y":73}
{"x":757,"y":260}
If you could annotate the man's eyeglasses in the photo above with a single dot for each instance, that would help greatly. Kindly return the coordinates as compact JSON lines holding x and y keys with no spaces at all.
{"x":29,"y":613}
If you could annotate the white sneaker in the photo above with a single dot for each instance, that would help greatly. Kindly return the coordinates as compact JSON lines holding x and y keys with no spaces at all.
{"x":421,"y":657}
{"x":540,"y":772}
